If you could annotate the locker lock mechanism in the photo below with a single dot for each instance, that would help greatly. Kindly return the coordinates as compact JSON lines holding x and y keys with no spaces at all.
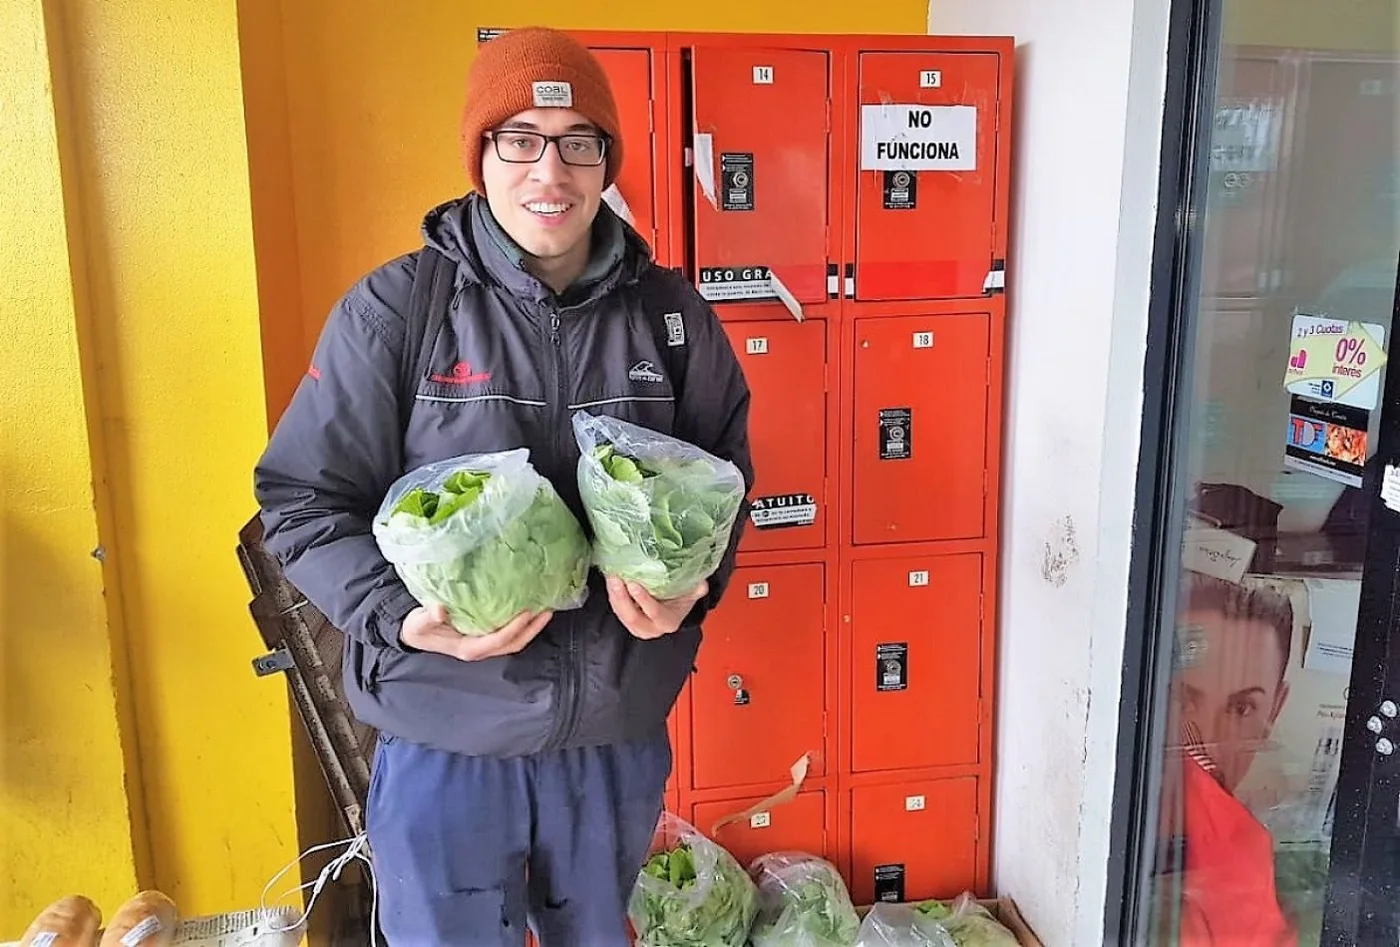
{"x":736,"y":684}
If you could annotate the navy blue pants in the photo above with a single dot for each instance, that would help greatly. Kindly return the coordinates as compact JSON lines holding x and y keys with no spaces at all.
{"x":468,"y":850}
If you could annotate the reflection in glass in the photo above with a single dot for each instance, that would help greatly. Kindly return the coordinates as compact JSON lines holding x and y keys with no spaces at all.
{"x":1298,"y":252}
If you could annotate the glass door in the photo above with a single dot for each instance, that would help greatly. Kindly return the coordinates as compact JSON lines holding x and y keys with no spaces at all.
{"x":1271,"y":803}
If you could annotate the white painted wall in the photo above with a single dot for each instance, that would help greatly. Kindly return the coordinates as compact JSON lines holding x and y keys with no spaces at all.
{"x":1090,"y":81}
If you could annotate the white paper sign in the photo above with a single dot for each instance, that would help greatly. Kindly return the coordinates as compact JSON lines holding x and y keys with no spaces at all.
{"x":918,"y":138}
{"x":704,"y":145}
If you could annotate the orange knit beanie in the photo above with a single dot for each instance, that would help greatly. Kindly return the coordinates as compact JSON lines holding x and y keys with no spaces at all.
{"x":509,"y":77}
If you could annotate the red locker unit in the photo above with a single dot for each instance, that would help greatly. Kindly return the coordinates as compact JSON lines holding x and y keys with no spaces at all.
{"x":841,"y":201}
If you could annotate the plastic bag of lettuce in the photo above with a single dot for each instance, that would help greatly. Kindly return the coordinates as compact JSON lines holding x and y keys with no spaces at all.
{"x":802,"y":902}
{"x":901,"y":925}
{"x":691,"y":892}
{"x":662,"y":510}
{"x":970,"y":924}
{"x":486,"y":537}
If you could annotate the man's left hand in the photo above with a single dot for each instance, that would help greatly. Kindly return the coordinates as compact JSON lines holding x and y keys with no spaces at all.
{"x":646,"y":617}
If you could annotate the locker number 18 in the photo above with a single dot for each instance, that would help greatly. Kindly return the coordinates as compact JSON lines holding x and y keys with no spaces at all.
{"x":762,"y":75}
{"x":923,"y":340}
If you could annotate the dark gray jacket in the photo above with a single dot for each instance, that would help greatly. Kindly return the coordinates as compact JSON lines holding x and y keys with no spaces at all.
{"x":510,"y":364}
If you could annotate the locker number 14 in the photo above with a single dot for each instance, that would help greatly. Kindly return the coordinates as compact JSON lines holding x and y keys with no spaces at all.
{"x":762,"y":75}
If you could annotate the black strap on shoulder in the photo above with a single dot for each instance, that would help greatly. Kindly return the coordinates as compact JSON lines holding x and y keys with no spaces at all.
{"x":428,"y":301}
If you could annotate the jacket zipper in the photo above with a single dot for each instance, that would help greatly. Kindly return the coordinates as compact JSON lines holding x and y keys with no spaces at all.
{"x":570,"y":695}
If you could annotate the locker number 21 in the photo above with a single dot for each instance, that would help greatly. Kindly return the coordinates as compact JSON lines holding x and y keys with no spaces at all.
{"x":762,"y":75}
{"x":917,"y":579}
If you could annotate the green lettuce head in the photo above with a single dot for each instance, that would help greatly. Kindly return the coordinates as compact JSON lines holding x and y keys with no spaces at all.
{"x":662,"y":510}
{"x":486,"y":537}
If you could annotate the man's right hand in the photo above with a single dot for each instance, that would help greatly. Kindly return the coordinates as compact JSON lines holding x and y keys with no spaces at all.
{"x":427,"y":628}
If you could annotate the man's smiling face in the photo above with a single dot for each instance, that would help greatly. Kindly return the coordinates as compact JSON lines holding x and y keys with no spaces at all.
{"x":547,"y":206}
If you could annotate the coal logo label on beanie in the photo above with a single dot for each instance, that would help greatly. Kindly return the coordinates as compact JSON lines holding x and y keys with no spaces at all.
{"x":554,"y":95}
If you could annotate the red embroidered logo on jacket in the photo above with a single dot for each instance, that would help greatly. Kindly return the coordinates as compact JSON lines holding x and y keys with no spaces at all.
{"x":462,"y":374}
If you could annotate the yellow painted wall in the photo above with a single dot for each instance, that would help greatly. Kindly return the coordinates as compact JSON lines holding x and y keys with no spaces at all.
{"x":65,"y":823}
{"x":154,"y":118}
{"x":1353,"y":26}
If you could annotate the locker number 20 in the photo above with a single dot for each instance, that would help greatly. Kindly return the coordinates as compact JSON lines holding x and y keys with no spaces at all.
{"x":762,"y":75}
{"x":758,"y":590}
{"x":923,"y":340}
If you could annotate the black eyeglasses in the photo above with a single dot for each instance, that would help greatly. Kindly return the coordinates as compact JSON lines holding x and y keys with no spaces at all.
{"x":581,"y":149}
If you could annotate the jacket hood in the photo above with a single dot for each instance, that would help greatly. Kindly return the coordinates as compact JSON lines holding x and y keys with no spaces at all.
{"x":464,"y":230}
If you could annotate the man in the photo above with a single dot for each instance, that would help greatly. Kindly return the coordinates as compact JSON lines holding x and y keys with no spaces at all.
{"x":1230,"y":688}
{"x":1228,"y":692}
{"x":521,"y":773}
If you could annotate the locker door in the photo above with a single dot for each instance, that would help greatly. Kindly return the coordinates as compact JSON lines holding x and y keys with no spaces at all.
{"x":927,"y":174}
{"x":913,"y":841}
{"x":798,"y":826}
{"x":629,"y":71}
{"x":760,"y":171}
{"x":758,"y":696}
{"x":916,"y":631}
{"x":921,"y":428}
{"x":785,"y":365}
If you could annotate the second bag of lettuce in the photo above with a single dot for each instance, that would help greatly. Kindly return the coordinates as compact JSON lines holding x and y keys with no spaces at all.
{"x":662,"y":509}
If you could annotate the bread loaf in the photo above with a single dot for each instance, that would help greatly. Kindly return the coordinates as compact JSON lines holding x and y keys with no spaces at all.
{"x":147,"y":920}
{"x":68,"y":922}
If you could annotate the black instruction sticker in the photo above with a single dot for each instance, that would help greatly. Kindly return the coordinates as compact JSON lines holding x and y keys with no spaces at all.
{"x":485,"y":34}
{"x":784,"y":511}
{"x":892,"y":667}
{"x":896,"y":430}
{"x":901,"y":190}
{"x":736,"y":179}
{"x":889,"y":883}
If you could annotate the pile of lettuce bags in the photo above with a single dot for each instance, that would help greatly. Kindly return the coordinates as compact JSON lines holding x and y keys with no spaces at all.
{"x":802,"y":902}
{"x":662,"y":510}
{"x":691,"y":892}
{"x":486,"y":537}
